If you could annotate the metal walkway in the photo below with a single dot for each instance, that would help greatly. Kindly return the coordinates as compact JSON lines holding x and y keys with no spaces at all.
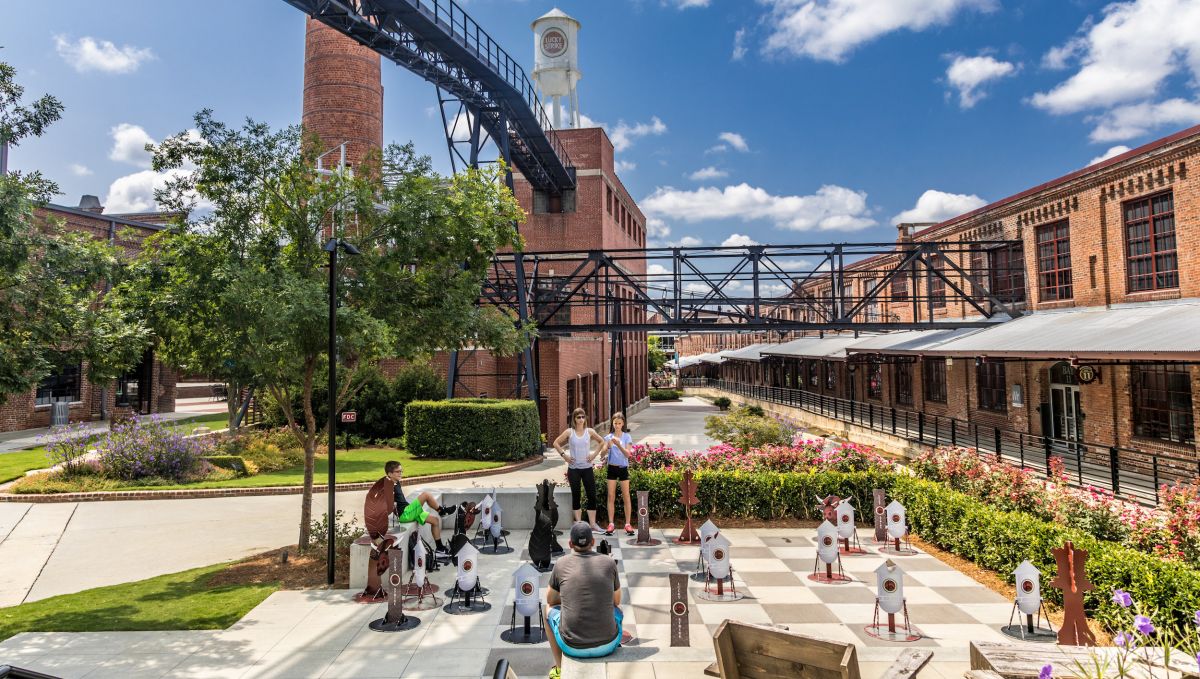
{"x":438,"y":41}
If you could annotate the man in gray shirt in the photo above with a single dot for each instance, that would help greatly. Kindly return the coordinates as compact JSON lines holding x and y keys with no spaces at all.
{"x":584,"y":587}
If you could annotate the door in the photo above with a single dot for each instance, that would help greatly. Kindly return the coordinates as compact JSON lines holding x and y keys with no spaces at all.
{"x":1065,"y":414}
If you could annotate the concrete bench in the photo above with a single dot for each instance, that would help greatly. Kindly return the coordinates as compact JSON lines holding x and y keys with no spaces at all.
{"x":591,"y":668}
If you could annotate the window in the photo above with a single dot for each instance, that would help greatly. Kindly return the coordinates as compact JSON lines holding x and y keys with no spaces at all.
{"x":900,"y":286}
{"x":814,"y":379}
{"x":991,"y":382}
{"x":904,"y":384}
{"x":1054,"y":261}
{"x":933,"y":372}
{"x":60,"y":385}
{"x":1150,"y":243}
{"x":875,"y":381}
{"x":830,"y":375}
{"x":1006,"y":272}
{"x":937,"y":286}
{"x":1162,"y":402}
{"x":608,"y":200}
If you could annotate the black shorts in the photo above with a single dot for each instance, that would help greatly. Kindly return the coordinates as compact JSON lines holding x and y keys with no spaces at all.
{"x":616,"y":473}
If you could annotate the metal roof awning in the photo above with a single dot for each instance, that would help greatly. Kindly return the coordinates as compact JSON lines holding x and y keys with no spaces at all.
{"x":833,"y":347}
{"x":710,"y":358}
{"x":751,"y":353}
{"x":911,"y":342}
{"x":1158,"y":331}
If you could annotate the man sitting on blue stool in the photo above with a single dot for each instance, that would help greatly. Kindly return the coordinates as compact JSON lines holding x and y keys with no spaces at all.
{"x":581,"y":587}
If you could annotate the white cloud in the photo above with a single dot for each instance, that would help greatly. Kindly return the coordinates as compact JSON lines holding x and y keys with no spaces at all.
{"x":830,"y":208}
{"x":1111,"y":153}
{"x":585,"y":121}
{"x":657,"y":228}
{"x":710,"y":172}
{"x":135,"y":192}
{"x":735,"y":140}
{"x":829,"y":30}
{"x":623,"y":135}
{"x":937,"y":206}
{"x":657,"y":270}
{"x":739,"y":44}
{"x":738,"y":240}
{"x":129,"y":145}
{"x":89,"y":54}
{"x":80,"y":170}
{"x":1135,"y":120}
{"x":969,"y":74}
{"x":1121,"y":74}
{"x":688,"y":4}
{"x":689,"y":242}
{"x":625,"y":166}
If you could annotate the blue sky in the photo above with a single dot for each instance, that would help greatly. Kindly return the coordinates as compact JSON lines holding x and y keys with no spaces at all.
{"x":774,"y":121}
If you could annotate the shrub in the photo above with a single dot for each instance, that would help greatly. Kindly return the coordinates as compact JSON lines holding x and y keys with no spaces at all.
{"x":803,"y":456}
{"x":722,"y":402}
{"x":742,"y":429}
{"x":752,"y":410}
{"x":68,"y":447}
{"x":267,"y":457}
{"x":473,"y":429}
{"x":1000,"y":540}
{"x":147,"y":447}
{"x":665,"y":394}
{"x":344,"y":533}
{"x":233,"y":463}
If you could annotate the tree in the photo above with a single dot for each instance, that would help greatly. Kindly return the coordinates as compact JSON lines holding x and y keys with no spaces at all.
{"x":53,"y":309}
{"x":242,"y":291}
{"x":655,"y":356}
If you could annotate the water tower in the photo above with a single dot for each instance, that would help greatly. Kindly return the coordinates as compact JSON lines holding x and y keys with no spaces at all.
{"x":556,"y":65}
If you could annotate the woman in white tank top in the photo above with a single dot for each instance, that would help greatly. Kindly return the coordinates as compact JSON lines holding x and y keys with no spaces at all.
{"x":580,"y":457}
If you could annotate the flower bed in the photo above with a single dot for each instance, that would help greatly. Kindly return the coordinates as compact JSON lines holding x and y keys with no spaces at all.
{"x":802,"y":455}
{"x":1172,"y":533}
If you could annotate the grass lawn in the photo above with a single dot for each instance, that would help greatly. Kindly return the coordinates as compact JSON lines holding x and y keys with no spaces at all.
{"x":359,"y":464}
{"x":178,"y":601}
{"x":14,"y":465}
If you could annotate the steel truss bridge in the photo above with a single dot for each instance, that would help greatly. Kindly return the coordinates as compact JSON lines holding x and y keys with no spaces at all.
{"x":873,"y":287}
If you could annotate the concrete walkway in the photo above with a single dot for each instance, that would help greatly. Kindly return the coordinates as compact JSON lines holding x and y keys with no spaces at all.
{"x":41,"y":545}
{"x":12,"y":441}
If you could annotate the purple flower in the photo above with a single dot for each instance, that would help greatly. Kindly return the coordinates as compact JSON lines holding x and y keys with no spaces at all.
{"x":1121,"y":598}
{"x":1047,"y":671}
{"x":1122,"y":639}
{"x":1143,"y":625}
{"x":1197,"y":618}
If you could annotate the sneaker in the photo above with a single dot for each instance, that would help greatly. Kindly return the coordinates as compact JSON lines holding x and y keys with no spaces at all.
{"x":441,"y":553}
{"x":555,"y":673}
{"x":446,"y":511}
{"x":597,"y":529}
{"x":628,"y":529}
{"x":609,"y":530}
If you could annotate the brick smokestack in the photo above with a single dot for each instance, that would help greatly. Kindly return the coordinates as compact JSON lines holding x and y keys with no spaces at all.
{"x":343,"y":93}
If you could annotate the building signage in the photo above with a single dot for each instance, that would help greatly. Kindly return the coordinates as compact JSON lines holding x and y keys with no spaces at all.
{"x":1086,"y":374}
{"x":554,"y":42}
{"x":349,"y":416}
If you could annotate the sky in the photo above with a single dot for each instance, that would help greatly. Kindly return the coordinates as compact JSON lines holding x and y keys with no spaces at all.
{"x":735,"y":121}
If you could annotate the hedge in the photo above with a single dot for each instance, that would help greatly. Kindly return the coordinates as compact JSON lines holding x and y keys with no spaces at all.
{"x":665,"y":394}
{"x":473,"y":429}
{"x":993,"y":539}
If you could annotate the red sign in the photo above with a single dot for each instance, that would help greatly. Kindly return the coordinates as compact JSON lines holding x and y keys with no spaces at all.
{"x":349,"y":416}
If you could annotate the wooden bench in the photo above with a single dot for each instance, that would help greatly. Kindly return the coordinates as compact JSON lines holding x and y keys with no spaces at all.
{"x":754,"y":651}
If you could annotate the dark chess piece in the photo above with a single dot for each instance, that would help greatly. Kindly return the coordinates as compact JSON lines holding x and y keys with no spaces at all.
{"x":541,"y":539}
{"x":546,"y":501}
{"x":604,"y":548}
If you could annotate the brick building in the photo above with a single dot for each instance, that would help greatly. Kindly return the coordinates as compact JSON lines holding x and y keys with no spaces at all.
{"x":1103,"y":266}
{"x":343,"y":102}
{"x":147,"y":388}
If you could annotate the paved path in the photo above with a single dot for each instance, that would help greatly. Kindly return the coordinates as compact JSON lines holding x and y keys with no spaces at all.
{"x":41,"y":544}
{"x":12,"y":441}
{"x":324,"y":634}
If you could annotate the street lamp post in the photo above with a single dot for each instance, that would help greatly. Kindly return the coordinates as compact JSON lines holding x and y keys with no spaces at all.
{"x":332,"y":247}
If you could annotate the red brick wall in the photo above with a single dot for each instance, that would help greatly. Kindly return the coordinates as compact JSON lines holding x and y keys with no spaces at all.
{"x":343,"y":94}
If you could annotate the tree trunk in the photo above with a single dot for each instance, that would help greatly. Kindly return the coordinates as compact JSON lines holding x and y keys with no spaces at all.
{"x":310,"y":451}
{"x":233,"y":402}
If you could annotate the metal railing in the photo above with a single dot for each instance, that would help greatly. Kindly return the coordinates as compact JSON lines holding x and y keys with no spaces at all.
{"x":1126,"y":472}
